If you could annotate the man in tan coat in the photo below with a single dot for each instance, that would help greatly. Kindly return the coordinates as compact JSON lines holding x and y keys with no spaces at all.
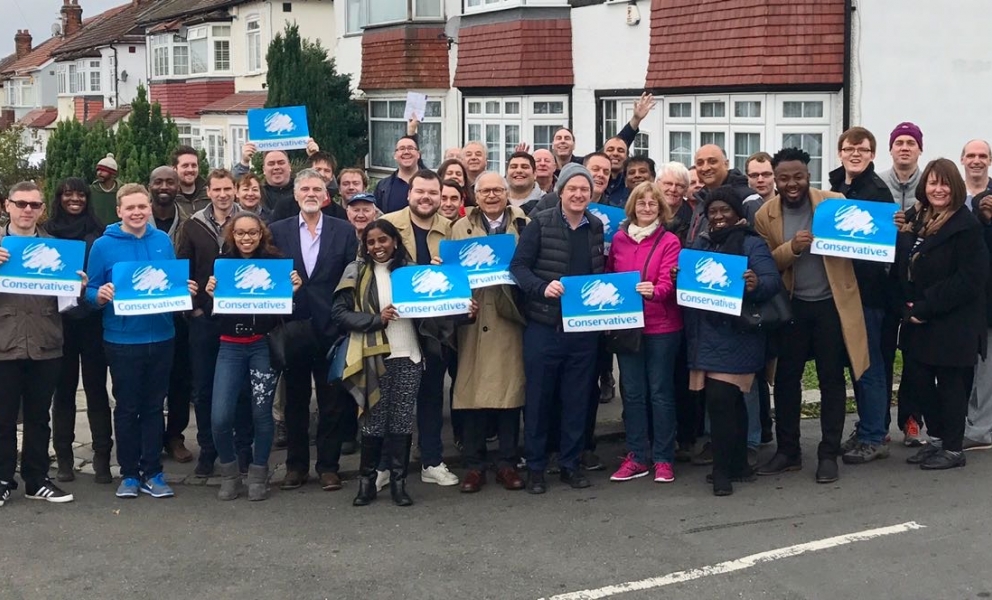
{"x":486,"y":389}
{"x":828,"y":323}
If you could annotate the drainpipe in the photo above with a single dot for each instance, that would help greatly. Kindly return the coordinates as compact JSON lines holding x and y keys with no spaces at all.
{"x":117,"y":78}
{"x":848,"y":57}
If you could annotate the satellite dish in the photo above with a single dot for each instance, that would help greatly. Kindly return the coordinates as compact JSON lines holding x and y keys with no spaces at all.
{"x":56,"y":29}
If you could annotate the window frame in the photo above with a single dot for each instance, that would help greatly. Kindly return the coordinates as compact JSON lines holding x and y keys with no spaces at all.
{"x":526,"y":120}
{"x":412,"y":14}
{"x":172,"y":56}
{"x":253,"y":44}
{"x":494,"y":5}
{"x":429,"y":120}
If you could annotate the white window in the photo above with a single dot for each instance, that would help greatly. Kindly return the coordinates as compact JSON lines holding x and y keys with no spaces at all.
{"x":502,"y":123}
{"x":745,"y":144}
{"x":472,"y":6}
{"x":239,"y":135}
{"x":198,"y":50}
{"x":734,"y":123}
{"x":616,"y":115}
{"x":215,"y":148}
{"x":680,"y":147}
{"x":170,"y":55}
{"x":74,"y":80}
{"x":111,"y":73}
{"x":804,"y":122}
{"x":253,"y":44}
{"x":62,"y":75}
{"x":94,"y":75}
{"x":386,"y":126}
{"x":205,"y":50}
{"x":189,"y":135}
{"x":221,"y":37}
{"x":362,"y":13}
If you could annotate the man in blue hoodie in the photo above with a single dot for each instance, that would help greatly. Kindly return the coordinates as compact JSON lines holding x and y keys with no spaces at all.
{"x":138,"y":348}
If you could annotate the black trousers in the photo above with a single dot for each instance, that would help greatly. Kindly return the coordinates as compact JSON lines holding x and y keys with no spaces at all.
{"x":728,"y":428}
{"x":180,"y":384}
{"x":27,"y":388}
{"x":815,"y":331}
{"x":476,"y":424}
{"x":604,"y":368}
{"x":688,"y":404}
{"x":335,"y":408}
{"x":942,"y":393}
{"x":82,"y":345}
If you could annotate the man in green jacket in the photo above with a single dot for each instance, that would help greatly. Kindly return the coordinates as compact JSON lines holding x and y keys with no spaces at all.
{"x":104,"y":190}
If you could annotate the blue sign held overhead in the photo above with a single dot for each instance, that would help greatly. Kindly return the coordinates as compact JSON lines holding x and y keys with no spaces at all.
{"x":431,"y":291}
{"x":253,"y":287}
{"x":602,"y":302}
{"x":711,"y":281}
{"x":856,"y":229}
{"x":42,"y":266}
{"x":151,"y":287}
{"x":611,"y":217}
{"x":486,"y":260}
{"x":283,"y":128}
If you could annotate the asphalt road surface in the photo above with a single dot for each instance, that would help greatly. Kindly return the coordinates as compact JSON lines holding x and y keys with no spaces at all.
{"x":885,"y":530}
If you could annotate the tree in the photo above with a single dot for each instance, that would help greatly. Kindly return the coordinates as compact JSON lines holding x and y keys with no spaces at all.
{"x":14,"y":154}
{"x":145,"y":141}
{"x":73,"y":151}
{"x":300,"y":74}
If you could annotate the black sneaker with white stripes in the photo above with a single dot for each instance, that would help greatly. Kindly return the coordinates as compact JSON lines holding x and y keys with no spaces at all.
{"x":5,"y":489}
{"x":48,"y":492}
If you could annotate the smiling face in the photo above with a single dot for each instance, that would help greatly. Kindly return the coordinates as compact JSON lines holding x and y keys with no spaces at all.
{"x":350,"y":184}
{"x":455,"y":172}
{"x":309,"y":194}
{"x":379,"y":245}
{"x":188,"y":168}
{"x":792,"y":181}
{"x":938,"y":192}
{"x":575,"y":196}
{"x":563,"y":144}
{"x":134,"y":211}
{"x":721,"y":215}
{"x":646,"y":209}
{"x":616,"y":149}
{"x":360,"y":214}
{"x":249,"y":194}
{"x":672,"y":189}
{"x":490,"y":195}
{"x":406,"y":154}
{"x":905,"y":151}
{"x":520,"y":175}
{"x":73,"y":202}
{"x":761,"y":178}
{"x":220,"y":190}
{"x":325,"y":169}
{"x":544,"y":164}
{"x":855,"y":156}
{"x":451,"y":203}
{"x":424,"y":197}
{"x":247,"y":235}
{"x":164,"y":186}
{"x":475,"y":158}
{"x":275,"y":167}
{"x":637,"y":172}
{"x":711,"y":165}
{"x":599,"y":168}
{"x":975,"y":159}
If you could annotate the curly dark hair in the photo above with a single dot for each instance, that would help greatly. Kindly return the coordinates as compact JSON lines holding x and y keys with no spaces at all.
{"x":788,"y":154}
{"x":400,"y":255}
{"x":266,"y":248}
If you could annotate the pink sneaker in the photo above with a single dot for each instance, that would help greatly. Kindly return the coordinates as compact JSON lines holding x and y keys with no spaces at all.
{"x":629,"y":469}
{"x":663,"y":473}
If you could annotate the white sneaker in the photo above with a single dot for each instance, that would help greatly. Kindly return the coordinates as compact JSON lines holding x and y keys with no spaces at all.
{"x":439,"y":475}
{"x":381,"y":480}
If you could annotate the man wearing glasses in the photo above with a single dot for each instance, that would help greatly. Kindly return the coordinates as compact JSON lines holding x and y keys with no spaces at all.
{"x":392,"y":192}
{"x":761,"y":179}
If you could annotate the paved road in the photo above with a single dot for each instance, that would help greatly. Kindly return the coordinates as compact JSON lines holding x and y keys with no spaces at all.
{"x":509,"y":545}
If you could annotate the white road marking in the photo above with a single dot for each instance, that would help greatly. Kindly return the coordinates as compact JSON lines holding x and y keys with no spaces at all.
{"x":739,"y":564}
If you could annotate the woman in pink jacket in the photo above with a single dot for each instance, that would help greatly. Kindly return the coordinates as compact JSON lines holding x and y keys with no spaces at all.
{"x":647,"y":376}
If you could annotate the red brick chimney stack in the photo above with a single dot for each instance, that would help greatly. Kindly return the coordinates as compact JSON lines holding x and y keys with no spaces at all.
{"x":22,"y":43}
{"x":72,"y":17}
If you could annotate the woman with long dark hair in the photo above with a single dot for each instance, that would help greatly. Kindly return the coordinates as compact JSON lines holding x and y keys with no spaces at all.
{"x":73,"y":218}
{"x":454,"y":170}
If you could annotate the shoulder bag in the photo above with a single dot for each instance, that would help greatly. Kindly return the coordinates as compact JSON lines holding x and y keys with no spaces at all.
{"x":628,"y":341}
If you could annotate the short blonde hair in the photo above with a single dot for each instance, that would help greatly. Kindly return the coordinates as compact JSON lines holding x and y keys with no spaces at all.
{"x":132,"y":188}
{"x":643,"y":189}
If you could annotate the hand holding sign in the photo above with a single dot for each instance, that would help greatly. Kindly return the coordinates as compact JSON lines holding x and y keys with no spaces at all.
{"x":4,"y":255}
{"x":855,"y":229}
{"x":554,"y":290}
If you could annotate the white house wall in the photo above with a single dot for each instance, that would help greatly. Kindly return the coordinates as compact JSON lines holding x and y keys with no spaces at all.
{"x":136,"y":66}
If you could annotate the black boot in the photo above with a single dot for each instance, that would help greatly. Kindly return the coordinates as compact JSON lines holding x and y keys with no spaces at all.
{"x":399,"y":465}
{"x":367,"y":473}
{"x":65,"y":461}
{"x":720,"y":402}
{"x":101,"y":467}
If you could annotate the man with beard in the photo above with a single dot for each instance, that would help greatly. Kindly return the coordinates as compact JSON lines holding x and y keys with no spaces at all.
{"x":828,"y":324}
{"x":103,"y":191}
{"x":713,"y":170}
{"x":321,"y":247}
{"x":422,"y":228}
{"x":192,"y":188}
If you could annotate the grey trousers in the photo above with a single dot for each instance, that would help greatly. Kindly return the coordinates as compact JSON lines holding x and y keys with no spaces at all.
{"x":978,"y":426}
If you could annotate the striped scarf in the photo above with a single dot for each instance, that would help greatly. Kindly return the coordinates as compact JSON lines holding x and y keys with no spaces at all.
{"x":364,"y":361}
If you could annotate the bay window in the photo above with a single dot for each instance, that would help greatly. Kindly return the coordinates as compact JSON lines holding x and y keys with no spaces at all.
{"x":502,"y":123}
{"x":365,"y":13}
{"x":387,"y":125}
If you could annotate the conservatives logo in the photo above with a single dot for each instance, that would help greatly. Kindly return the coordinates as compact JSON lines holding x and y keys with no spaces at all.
{"x":602,"y":216}
{"x":252,"y":279}
{"x":477,"y":256}
{"x":431,"y":282}
{"x":279,"y":123}
{"x":850,"y":221}
{"x":601,"y":295}
{"x":42,"y":260}
{"x":150,"y":280}
{"x":711,"y":274}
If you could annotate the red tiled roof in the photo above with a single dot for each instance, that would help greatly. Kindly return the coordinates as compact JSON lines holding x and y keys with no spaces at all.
{"x":171,"y":9}
{"x":406,"y":57}
{"x":110,"y":116}
{"x":518,"y":53}
{"x":43,"y":52}
{"x":39,"y":117}
{"x":730,"y":43}
{"x":237,"y":103}
{"x":103,"y":29}
{"x":7,"y":61}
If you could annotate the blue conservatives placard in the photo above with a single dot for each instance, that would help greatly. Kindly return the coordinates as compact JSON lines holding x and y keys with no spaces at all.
{"x":486,"y":259}
{"x":283,"y":128}
{"x":602,"y":302}
{"x":151,"y":287}
{"x":711,"y":281}
{"x":431,"y":291}
{"x":611,"y":217}
{"x":253,"y":287}
{"x":855,"y":229}
{"x":42,"y":266}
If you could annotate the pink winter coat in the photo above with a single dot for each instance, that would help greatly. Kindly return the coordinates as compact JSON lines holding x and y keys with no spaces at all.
{"x":661,"y":313}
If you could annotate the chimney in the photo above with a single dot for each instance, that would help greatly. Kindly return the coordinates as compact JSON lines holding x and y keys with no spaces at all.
{"x":72,"y":17}
{"x":22,"y":43}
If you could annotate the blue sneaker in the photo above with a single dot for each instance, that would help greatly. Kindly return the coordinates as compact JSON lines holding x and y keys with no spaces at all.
{"x":156,"y":487}
{"x":128,"y":488}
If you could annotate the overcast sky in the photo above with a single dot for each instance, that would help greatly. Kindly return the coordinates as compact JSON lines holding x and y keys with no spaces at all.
{"x":37,"y":17}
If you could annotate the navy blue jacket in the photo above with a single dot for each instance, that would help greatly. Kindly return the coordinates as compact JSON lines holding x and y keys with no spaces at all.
{"x":338,"y":248}
{"x":714,"y":344}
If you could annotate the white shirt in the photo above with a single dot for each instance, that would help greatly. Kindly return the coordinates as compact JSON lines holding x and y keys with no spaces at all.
{"x":310,"y":244}
{"x":494,"y":225}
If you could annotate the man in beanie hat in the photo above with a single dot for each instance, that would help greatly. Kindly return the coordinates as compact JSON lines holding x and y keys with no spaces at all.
{"x":104,"y":190}
{"x":905,"y":147}
{"x":561,"y":241}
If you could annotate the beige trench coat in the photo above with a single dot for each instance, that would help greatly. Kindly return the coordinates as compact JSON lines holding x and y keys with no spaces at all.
{"x":490,"y":350}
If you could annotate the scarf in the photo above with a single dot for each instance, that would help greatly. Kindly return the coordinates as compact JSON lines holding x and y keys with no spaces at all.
{"x":927,"y":221}
{"x":639,"y":234}
{"x":84,"y":227}
{"x":364,"y":360}
{"x":730,"y":240}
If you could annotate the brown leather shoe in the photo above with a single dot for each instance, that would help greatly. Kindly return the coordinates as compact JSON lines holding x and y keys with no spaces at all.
{"x":293,"y":480}
{"x":473,"y":482}
{"x":508,"y":477}
{"x":177,"y":450}
{"x":330,"y":482}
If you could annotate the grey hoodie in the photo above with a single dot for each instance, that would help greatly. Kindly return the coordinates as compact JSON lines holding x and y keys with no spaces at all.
{"x":903,"y":193}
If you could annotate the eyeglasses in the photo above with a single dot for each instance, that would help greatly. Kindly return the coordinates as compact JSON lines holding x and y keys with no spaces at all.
{"x":851,"y":150}
{"x":23,"y":204}
{"x":252,"y":233}
{"x":490,"y":191}
{"x":762,"y":175}
{"x":406,"y":149}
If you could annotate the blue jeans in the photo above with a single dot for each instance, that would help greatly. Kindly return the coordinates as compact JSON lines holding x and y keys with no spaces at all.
{"x":235,"y":364}
{"x":140,"y":377}
{"x":649,"y":377}
{"x":204,"y":343}
{"x":870,"y":390}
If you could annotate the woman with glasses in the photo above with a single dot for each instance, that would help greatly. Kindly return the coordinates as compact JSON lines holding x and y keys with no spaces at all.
{"x":244,"y":356}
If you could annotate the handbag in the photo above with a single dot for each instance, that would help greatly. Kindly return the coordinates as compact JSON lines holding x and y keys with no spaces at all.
{"x":336,"y":359}
{"x":628,"y":341}
{"x":765,"y":316}
{"x":289,"y":341}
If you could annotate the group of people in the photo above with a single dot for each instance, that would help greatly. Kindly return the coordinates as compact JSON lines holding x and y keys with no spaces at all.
{"x":695,"y":386}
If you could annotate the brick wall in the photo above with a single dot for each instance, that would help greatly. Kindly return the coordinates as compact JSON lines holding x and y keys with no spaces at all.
{"x":184,"y":99}
{"x":723,"y":43}
{"x":85,"y":109}
{"x":526,"y":52}
{"x":406,"y":57}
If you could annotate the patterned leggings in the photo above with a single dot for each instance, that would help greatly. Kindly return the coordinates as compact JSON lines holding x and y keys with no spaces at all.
{"x":398,"y":397}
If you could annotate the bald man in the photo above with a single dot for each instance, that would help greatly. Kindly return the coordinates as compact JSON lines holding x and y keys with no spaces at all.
{"x":714,"y":171}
